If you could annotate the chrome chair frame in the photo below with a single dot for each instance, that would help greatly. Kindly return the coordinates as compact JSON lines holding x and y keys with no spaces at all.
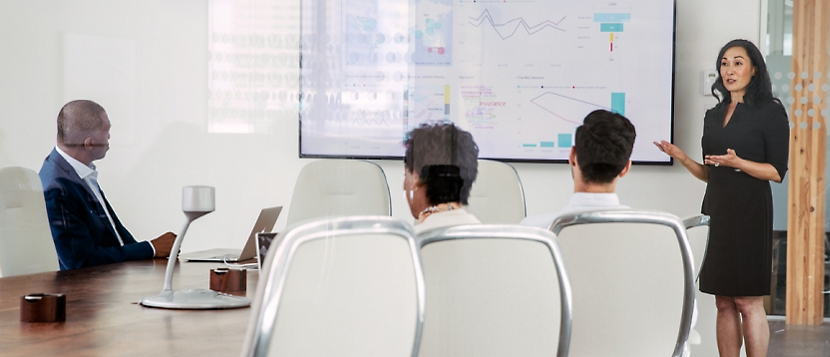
{"x":699,"y":221}
{"x":506,"y":231}
{"x":649,"y":217}
{"x":696,"y":221}
{"x":277,"y":268}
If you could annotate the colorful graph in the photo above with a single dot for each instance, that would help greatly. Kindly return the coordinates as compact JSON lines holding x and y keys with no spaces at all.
{"x":508,"y":29}
{"x":573,"y":110}
{"x":428,"y":105}
{"x":431,"y":33}
{"x":569,"y":109}
{"x":481,"y":105}
{"x":611,"y":22}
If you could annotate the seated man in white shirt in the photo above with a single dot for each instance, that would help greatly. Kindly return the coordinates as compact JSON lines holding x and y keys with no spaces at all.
{"x":600,"y":156}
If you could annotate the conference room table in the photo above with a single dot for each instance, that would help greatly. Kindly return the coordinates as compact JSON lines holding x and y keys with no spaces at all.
{"x":103,"y":317}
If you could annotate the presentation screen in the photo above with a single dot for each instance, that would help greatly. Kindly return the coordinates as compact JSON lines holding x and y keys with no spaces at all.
{"x":519,"y":75}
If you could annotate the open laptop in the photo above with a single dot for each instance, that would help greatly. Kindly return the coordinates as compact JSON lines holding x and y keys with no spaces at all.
{"x":265,"y":242}
{"x":264,"y":223}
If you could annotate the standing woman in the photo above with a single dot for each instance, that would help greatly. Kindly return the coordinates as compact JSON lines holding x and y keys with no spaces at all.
{"x":745,"y":145}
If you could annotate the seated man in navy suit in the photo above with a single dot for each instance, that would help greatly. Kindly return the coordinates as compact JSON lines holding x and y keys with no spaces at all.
{"x":84,"y":226}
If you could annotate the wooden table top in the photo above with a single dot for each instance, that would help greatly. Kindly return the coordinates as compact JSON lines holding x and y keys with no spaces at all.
{"x":103,"y":317}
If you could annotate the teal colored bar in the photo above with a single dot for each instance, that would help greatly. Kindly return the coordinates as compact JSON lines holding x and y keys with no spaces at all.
{"x":610,"y":27}
{"x":612,"y":17}
{"x":565,"y":140}
{"x":529,"y":145}
{"x":547,"y":144}
{"x":618,"y":103}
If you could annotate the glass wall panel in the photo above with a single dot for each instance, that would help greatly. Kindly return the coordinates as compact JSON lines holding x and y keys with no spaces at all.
{"x":779,"y":49}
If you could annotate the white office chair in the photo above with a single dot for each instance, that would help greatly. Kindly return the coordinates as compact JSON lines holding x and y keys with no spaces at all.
{"x":347,"y":286}
{"x":632,"y":279}
{"x":494,"y":290}
{"x":497,"y":196}
{"x":330,"y":188}
{"x":26,"y":245}
{"x":707,"y":313}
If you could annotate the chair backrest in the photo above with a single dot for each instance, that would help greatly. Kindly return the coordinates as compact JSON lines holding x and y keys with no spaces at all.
{"x":494,"y":290}
{"x":702,"y":339}
{"x":347,"y":286}
{"x":632,"y":279}
{"x":330,"y":188}
{"x":26,"y":245}
{"x":497,"y":195}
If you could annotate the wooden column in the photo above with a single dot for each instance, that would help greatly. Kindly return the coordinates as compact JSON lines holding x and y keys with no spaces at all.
{"x":808,"y":145}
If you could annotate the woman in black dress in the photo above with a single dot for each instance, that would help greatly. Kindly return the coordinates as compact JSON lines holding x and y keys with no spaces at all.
{"x":745,"y":145}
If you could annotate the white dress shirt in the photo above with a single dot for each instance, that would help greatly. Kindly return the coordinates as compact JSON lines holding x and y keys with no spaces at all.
{"x":580,"y":201}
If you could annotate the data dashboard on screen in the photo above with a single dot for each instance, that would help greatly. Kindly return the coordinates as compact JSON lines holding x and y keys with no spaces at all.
{"x":519,"y":75}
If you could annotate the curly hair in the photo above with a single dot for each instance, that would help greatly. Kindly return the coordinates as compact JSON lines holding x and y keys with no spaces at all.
{"x":430,"y":148}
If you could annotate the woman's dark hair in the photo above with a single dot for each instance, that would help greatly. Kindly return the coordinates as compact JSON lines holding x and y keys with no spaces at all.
{"x":442,"y":154}
{"x":443,"y":183}
{"x":759,"y":89}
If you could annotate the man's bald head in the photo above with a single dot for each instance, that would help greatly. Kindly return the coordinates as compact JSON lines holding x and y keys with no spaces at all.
{"x":79,"y":120}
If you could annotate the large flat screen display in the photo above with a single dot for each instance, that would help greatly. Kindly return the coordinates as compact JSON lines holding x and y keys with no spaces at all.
{"x":519,"y":75}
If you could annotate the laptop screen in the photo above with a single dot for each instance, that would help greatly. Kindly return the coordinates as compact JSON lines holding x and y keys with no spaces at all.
{"x":264,"y":242}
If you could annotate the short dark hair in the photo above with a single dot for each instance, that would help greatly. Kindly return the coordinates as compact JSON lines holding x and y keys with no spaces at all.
{"x":430,"y":149}
{"x":77,"y":120}
{"x":603,"y":146}
{"x":759,"y":89}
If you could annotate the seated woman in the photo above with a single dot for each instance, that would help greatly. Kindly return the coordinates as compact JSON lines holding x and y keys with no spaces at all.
{"x":441,"y":164}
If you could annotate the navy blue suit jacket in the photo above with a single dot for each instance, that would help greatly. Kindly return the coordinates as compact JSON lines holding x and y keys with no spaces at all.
{"x":82,"y":233}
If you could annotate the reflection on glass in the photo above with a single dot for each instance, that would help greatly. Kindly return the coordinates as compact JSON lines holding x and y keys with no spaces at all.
{"x":252,"y":65}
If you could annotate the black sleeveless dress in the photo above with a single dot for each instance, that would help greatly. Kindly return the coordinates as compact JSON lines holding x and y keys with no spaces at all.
{"x":738,"y":258}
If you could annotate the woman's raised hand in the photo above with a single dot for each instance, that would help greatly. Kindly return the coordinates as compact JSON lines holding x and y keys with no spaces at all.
{"x":671,"y":150}
{"x":730,"y":159}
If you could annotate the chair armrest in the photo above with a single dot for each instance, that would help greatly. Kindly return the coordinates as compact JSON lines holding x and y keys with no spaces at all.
{"x":696,"y":221}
